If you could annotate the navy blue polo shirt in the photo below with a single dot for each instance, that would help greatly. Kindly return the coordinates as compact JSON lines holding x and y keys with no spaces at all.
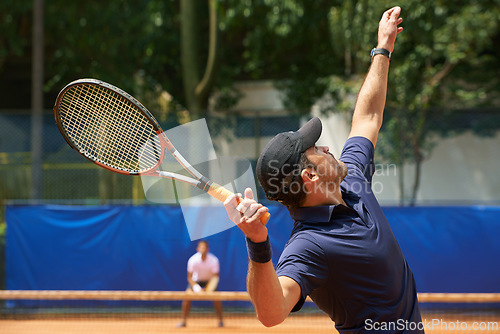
{"x":347,"y":258}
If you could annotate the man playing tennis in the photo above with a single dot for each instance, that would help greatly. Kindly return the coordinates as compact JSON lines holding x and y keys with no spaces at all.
{"x":341,"y":252}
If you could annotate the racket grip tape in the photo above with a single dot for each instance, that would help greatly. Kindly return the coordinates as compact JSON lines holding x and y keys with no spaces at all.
{"x":221,"y":194}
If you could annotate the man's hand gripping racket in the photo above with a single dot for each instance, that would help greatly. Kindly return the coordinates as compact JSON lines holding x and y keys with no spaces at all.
{"x":245,"y":213}
{"x":115,"y":131}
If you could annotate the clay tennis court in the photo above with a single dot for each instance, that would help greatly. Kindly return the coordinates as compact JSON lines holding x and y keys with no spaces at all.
{"x":208,"y":324}
{"x":232,"y":324}
{"x":58,"y":312}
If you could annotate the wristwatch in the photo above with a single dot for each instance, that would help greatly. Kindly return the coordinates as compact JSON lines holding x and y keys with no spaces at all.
{"x":379,"y":51}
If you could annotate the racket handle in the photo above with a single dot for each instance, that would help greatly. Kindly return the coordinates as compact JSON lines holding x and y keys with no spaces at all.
{"x":221,"y":194}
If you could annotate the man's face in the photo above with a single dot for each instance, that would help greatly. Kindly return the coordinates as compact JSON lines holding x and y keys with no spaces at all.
{"x":202,"y":248}
{"x":327,"y":167}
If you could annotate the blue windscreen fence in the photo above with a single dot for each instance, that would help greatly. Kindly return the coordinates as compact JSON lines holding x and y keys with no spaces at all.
{"x":120,"y":247}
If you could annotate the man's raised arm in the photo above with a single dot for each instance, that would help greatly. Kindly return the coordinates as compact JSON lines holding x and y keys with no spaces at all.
{"x":368,"y":112}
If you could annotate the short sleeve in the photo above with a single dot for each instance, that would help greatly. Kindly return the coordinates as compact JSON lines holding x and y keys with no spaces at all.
{"x":358,"y":154}
{"x":215,"y":265}
{"x":190,"y":264}
{"x":304,"y":261}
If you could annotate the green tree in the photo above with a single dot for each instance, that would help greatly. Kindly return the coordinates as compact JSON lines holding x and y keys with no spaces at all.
{"x":132,"y":44}
{"x":445,"y":60}
{"x":442,"y":49}
{"x":287,"y":41}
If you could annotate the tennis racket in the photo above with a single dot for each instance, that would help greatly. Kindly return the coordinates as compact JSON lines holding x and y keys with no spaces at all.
{"x":115,"y":131}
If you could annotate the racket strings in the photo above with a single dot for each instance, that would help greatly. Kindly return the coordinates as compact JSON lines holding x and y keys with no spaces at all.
{"x":109,"y":129}
{"x":92,"y":128}
{"x":118,"y":143}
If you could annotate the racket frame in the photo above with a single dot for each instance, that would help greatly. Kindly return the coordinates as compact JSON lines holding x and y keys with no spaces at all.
{"x":197,"y":178}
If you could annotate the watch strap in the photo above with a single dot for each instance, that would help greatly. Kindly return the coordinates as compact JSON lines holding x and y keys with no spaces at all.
{"x":380,"y":51}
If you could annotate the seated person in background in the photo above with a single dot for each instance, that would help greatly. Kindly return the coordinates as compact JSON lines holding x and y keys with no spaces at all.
{"x":202,"y":275}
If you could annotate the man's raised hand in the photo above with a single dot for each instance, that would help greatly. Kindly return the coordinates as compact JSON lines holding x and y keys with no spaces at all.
{"x":388,"y":28}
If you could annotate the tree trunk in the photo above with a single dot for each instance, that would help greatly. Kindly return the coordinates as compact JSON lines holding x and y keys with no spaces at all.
{"x":196,"y":90}
{"x":417,"y":156}
{"x":401,"y":181}
{"x":401,"y":163}
{"x":203,"y":88}
{"x":190,"y":53}
{"x":416,"y":180}
{"x":37,"y":102}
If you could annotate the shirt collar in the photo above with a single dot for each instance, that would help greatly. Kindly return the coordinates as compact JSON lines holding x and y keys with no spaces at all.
{"x":315,"y":214}
{"x":321,"y":214}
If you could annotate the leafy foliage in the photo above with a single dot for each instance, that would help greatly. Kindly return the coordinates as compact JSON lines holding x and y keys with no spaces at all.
{"x":445,"y":66}
{"x":433,"y":82}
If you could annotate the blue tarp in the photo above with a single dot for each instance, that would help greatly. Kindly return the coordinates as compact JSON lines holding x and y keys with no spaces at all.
{"x":450,"y":249}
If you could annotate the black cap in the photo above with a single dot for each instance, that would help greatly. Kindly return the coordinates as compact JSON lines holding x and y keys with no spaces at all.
{"x":281,"y":156}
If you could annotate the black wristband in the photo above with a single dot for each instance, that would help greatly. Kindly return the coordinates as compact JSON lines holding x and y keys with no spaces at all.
{"x":259,"y":252}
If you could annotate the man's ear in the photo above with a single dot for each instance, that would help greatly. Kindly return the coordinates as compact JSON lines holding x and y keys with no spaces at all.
{"x":309,"y":175}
